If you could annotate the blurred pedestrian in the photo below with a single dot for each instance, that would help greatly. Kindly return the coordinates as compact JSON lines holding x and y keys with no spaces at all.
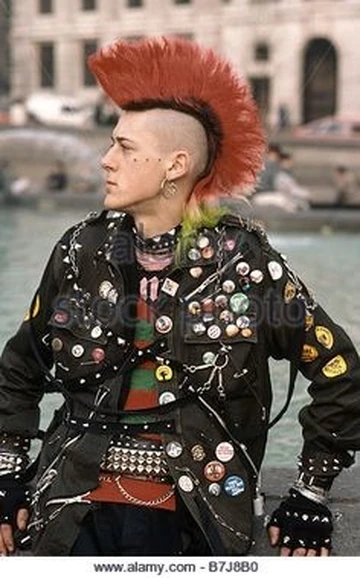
{"x":346,"y":186}
{"x":57,"y":180}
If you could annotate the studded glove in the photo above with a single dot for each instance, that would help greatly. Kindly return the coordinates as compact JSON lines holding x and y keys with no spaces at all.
{"x":14,"y":495}
{"x":303,"y":523}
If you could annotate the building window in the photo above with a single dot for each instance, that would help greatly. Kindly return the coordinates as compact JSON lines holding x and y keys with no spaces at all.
{"x":135,"y":3}
{"x":182,"y":1}
{"x":88,"y":5}
{"x":45,"y":6}
{"x":47,"y":64}
{"x":262,"y":51}
{"x":89,"y":47}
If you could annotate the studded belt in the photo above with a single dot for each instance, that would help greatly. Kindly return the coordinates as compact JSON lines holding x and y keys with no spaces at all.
{"x":136,"y":457}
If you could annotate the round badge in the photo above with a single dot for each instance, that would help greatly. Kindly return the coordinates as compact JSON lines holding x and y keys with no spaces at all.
{"x":214,"y":471}
{"x":104,"y":289}
{"x":336,"y":366}
{"x":166,"y":397}
{"x":228,"y":286}
{"x":164,"y":373}
{"x":203,"y":242}
{"x":247,"y":332}
{"x":239,"y":303}
{"x":174,"y":449}
{"x":57,"y":344}
{"x":113,"y":296}
{"x":256,"y":276}
{"x":214,"y":332}
{"x":208,"y":305}
{"x":229,"y":244}
{"x":194,"y":308}
{"x":224,"y":451}
{"x":194,"y":254}
{"x":214,"y":489}
{"x":96,"y":332}
{"x":77,"y":350}
{"x":197,"y":453}
{"x":209,"y":357}
{"x":226,"y":316}
{"x":207,"y":253}
{"x":195,"y":272}
{"x":208,"y":317}
{"x":309,"y":353}
{"x":199,"y":328}
{"x":232,"y":330}
{"x":185,"y":484}
{"x":324,"y":336}
{"x":242,"y":268}
{"x":98,"y":354}
{"x":244,"y":283}
{"x":234,"y":485}
{"x":243,"y":322}
{"x":61,"y":317}
{"x":163,"y":324}
{"x":275,"y":270}
{"x":221,"y":301}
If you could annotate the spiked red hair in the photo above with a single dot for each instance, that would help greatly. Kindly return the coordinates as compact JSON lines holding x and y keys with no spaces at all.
{"x":179,"y":74}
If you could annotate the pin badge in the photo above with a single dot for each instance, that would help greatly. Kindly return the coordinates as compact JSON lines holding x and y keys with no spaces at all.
{"x":198,"y":328}
{"x":185,"y":484}
{"x":207,"y":253}
{"x":256,"y":276}
{"x":113,"y":296}
{"x":57,"y":344}
{"x":214,"y":489}
{"x":61,"y":317}
{"x":309,"y":353}
{"x":209,"y":357}
{"x":243,"y":322}
{"x":208,"y":305}
{"x":336,"y":366}
{"x":203,"y":242}
{"x":230,"y":244}
{"x":289,"y":292}
{"x":195,"y":272}
{"x":228,"y":286}
{"x":224,"y":451}
{"x":166,"y":397}
{"x":194,"y":308}
{"x":275,"y":270}
{"x":232,"y":330}
{"x":221,"y":301}
{"x":214,"y":332}
{"x":174,"y":449}
{"x":234,"y":485}
{"x":247,"y":332}
{"x":163,"y":324}
{"x":324,"y":336}
{"x":226,"y":316}
{"x":98,"y":354}
{"x":214,"y":471}
{"x":242,"y":268}
{"x":77,"y":350}
{"x":197,"y":453}
{"x":104,"y":289}
{"x":170,"y":287}
{"x":96,"y":332}
{"x":239,"y":303}
{"x":164,"y":373}
{"x":194,"y":254}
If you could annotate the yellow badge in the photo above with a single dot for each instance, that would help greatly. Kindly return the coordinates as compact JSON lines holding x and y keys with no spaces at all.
{"x":324,"y":336}
{"x":163,"y":373}
{"x":336,"y":366}
{"x":309,"y":353}
{"x":31,"y":314}
{"x":289,"y":292}
{"x":309,"y":322}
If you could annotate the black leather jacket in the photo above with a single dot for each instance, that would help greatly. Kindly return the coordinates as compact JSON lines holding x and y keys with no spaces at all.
{"x":87,"y":299}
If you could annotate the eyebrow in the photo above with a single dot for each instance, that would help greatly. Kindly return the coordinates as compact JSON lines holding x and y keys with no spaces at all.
{"x":121,"y":139}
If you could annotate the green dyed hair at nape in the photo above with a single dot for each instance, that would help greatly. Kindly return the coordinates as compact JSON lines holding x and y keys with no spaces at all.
{"x":207,"y":216}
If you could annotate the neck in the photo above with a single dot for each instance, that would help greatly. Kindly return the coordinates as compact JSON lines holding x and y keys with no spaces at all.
{"x":150,"y":224}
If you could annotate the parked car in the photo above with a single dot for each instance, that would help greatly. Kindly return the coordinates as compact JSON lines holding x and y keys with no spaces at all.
{"x":53,"y":109}
{"x":330,"y":128}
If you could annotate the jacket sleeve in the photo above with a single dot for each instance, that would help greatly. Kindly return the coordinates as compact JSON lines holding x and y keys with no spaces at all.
{"x":299,"y":329}
{"x":21,"y":375}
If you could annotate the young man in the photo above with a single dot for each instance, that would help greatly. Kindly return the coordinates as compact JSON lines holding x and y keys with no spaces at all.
{"x":159,"y":316}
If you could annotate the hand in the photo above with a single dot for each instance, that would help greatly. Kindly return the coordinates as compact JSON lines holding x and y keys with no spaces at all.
{"x":14,"y":514}
{"x":301,"y":527}
{"x":7,"y":545}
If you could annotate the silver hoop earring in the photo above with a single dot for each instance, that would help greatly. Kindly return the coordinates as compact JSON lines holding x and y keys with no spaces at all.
{"x":168,"y":188}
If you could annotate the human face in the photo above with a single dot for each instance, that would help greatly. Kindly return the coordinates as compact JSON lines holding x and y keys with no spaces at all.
{"x":134,"y":165}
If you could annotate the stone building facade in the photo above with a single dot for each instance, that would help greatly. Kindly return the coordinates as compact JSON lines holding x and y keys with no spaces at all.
{"x":301,"y":56}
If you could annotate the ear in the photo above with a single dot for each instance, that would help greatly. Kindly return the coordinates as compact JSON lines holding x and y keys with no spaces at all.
{"x":179,"y":165}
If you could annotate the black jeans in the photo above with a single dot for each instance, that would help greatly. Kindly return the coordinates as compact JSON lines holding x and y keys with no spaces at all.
{"x":126,"y":530}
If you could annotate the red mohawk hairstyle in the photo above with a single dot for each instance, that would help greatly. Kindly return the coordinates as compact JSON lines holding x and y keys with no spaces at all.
{"x":179,"y":74}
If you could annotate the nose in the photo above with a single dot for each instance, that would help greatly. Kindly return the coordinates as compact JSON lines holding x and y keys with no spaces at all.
{"x":108,"y":161}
